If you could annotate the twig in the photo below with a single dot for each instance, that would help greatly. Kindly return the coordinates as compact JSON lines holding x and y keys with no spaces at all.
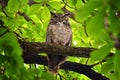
{"x":67,"y":4}
{"x":97,"y":63}
{"x":27,"y":18}
{"x":61,"y":76}
{"x":4,"y":33}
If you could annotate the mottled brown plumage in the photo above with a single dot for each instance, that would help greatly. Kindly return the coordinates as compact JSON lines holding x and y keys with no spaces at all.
{"x":58,"y":32}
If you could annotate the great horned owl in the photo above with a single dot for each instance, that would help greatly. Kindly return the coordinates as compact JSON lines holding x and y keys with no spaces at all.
{"x":58,"y":32}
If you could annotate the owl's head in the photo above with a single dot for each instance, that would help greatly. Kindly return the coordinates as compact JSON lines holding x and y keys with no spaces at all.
{"x":60,"y":18}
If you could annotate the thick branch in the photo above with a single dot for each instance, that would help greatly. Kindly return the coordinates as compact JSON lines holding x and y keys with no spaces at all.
{"x":35,"y":48}
{"x":79,"y":68}
{"x":3,"y":3}
{"x":30,"y":56}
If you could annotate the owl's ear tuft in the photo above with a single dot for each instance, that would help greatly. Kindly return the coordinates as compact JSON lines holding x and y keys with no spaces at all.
{"x":65,"y":15}
{"x":53,"y":14}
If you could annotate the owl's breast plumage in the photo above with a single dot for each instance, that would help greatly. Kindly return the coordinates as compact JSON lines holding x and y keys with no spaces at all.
{"x":60,"y":33}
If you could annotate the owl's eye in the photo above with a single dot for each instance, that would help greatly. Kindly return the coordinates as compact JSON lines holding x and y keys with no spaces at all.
{"x":64,"y":21}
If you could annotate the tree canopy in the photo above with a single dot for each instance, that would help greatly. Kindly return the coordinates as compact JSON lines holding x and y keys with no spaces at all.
{"x":95,"y":50}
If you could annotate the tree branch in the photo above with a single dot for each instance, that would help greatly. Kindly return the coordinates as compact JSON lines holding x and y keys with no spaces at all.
{"x":35,"y":48}
{"x":79,"y":68}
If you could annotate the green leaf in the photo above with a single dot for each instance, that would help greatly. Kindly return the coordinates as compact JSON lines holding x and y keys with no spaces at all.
{"x":114,"y":22}
{"x":79,"y":37}
{"x":100,"y":54}
{"x":38,"y":0}
{"x":117,"y":61}
{"x":116,"y":4}
{"x":95,"y":28}
{"x":10,"y":44}
{"x":2,"y":31}
{"x":45,"y":15}
{"x":23,"y":2}
{"x":26,"y":74}
{"x":13,"y":5}
{"x":2,"y":59}
{"x":2,"y":15}
{"x":12,"y":53}
{"x":72,"y":3}
{"x":105,"y":69}
{"x":73,"y":59}
{"x":33,"y":9}
{"x":84,"y":12}
{"x":56,"y":4}
{"x":96,"y":24}
{"x":47,"y":76}
{"x":79,"y":3}
{"x":115,"y":76}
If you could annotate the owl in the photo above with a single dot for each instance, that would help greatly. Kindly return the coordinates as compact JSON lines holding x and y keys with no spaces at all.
{"x":58,"y":32}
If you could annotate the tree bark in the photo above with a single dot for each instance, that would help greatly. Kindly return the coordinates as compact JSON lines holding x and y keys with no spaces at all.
{"x":36,"y":47}
{"x":71,"y":66}
{"x":31,"y":50}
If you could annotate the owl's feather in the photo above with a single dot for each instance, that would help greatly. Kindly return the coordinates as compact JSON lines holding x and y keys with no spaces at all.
{"x":58,"y":32}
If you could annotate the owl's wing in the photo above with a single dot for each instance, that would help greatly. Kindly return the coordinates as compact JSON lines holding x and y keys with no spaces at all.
{"x":49,"y":34}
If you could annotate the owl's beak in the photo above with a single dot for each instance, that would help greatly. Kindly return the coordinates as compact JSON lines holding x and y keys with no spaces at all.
{"x":60,"y":23}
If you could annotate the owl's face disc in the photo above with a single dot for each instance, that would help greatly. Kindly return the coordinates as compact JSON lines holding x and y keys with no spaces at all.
{"x":55,"y":18}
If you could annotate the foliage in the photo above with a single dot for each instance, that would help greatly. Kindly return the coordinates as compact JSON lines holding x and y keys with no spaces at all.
{"x":95,"y":24}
